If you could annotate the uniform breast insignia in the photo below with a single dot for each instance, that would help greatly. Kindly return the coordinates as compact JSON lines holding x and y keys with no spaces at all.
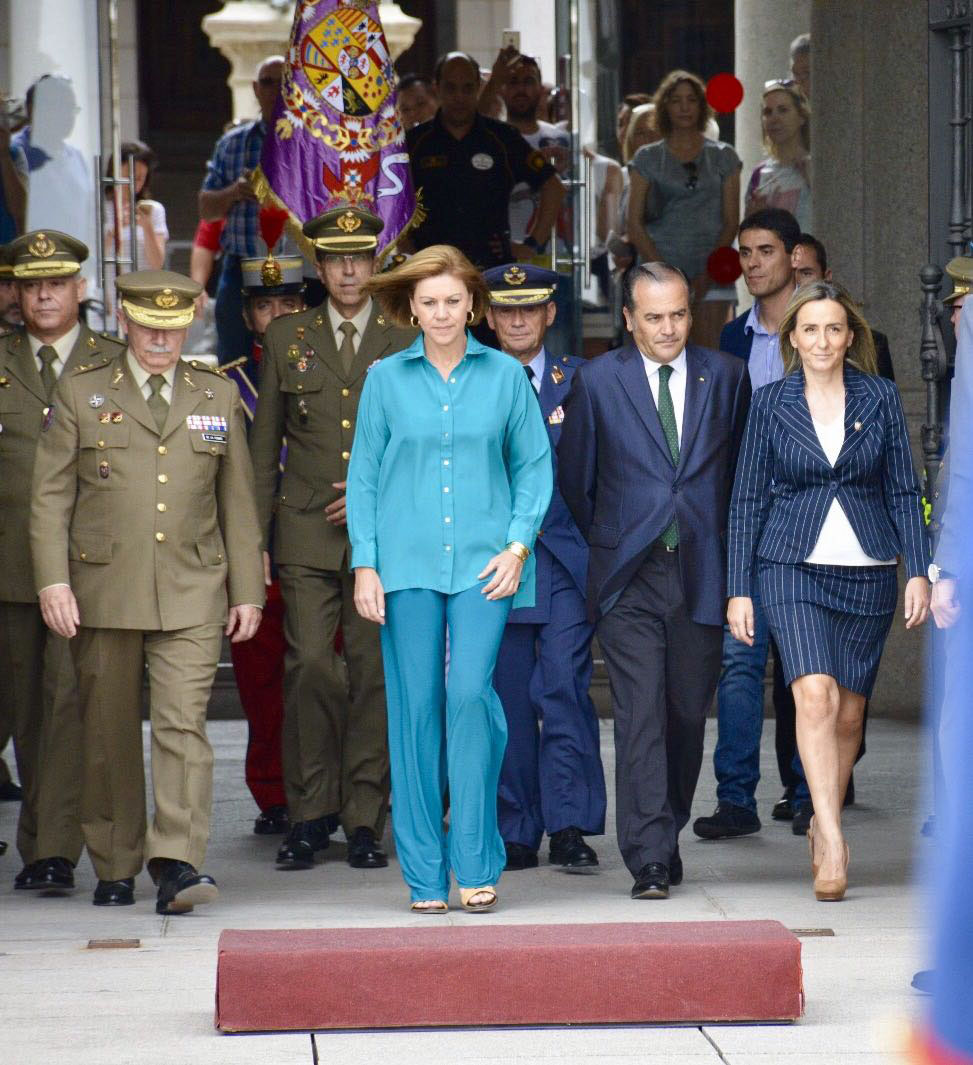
{"x":557,"y":375}
{"x":556,"y":416}
{"x":293,"y":353}
{"x":117,"y":376}
{"x":42,"y":247}
{"x":48,"y":418}
{"x":104,"y":469}
{"x":299,"y":332}
{"x":209,"y":393}
{"x":206,"y":422}
{"x":92,"y":342}
{"x":105,"y":417}
{"x":302,"y":410}
{"x":858,"y":426}
{"x":96,"y":400}
{"x":117,"y":417}
{"x":380,"y":320}
{"x":319,"y":320}
{"x":189,"y":381}
{"x":349,"y":222}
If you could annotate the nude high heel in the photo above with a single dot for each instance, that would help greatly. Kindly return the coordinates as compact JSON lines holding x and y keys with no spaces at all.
{"x":833,"y":889}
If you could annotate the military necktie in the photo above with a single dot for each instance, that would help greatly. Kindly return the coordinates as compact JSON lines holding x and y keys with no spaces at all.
{"x":347,"y":349}
{"x":48,"y":357}
{"x":667,"y":415}
{"x":158,"y":406}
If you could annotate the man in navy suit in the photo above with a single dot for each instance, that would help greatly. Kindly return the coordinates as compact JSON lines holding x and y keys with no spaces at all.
{"x":552,"y":777}
{"x":646,"y":462}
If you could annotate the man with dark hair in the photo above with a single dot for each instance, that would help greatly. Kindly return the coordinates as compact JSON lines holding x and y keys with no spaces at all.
{"x":465,"y":165}
{"x":647,"y":455}
{"x":335,"y":751}
{"x":416,"y":100}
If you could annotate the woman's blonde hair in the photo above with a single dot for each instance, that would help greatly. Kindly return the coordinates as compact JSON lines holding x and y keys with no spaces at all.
{"x":861,"y":354}
{"x":801,"y":105}
{"x":638,"y":113}
{"x":668,"y":86}
{"x":394,"y":288}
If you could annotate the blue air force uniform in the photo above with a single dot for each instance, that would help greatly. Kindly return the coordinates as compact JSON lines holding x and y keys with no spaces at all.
{"x":552,"y":777}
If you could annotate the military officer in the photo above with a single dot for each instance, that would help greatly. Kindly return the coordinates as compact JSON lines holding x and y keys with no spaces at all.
{"x":552,"y":778}
{"x":38,"y":695}
{"x":145,"y":545}
{"x":272,"y":286}
{"x":312,"y":373}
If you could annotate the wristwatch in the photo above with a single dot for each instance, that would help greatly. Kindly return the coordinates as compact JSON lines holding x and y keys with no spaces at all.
{"x":937,"y":573}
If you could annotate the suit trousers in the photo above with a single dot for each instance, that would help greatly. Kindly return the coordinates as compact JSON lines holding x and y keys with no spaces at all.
{"x":39,"y":702}
{"x":552,"y":777}
{"x":663,"y":668}
{"x":258,"y":666}
{"x":181,"y":666}
{"x":335,"y":744}
{"x":445,"y":731}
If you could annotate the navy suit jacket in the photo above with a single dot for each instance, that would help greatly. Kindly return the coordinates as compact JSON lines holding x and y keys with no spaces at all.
{"x":785,"y":484}
{"x":618,"y":480}
{"x":559,"y":536}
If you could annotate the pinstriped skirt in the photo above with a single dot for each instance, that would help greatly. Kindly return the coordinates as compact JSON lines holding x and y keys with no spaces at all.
{"x":829,"y":619}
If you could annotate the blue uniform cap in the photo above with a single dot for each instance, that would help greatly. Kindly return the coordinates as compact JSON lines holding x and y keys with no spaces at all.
{"x":520,"y":285}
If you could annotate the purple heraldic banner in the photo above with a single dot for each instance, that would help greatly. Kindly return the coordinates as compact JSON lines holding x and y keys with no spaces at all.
{"x":335,"y":137}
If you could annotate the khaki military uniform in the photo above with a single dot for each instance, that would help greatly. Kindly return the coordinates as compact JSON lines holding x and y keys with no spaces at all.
{"x":335,"y":744}
{"x":38,"y":696}
{"x":156,"y":532}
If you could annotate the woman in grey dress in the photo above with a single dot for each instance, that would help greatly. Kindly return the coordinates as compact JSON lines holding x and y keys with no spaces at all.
{"x":684,"y":199}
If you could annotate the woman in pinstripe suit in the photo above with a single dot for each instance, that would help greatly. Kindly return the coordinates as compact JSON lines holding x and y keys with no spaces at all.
{"x":825,"y":500}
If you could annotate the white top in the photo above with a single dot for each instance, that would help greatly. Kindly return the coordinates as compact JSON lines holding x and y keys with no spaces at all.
{"x":142,"y":376}
{"x":523,"y":199}
{"x":62,"y":346}
{"x":158,"y":221}
{"x":677,"y":385}
{"x":335,"y":317}
{"x":837,"y":543}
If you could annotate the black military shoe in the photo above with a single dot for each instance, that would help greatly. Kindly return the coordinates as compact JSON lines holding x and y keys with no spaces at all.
{"x":51,"y":875}
{"x":181,"y":887}
{"x":652,"y":882}
{"x":303,"y":840}
{"x":519,"y":856}
{"x":726,"y":822}
{"x":273,"y":821}
{"x":675,"y":869}
{"x":784,"y":807}
{"x":569,"y":850}
{"x":11,"y":792}
{"x":364,"y":852}
{"x":115,"y":892}
{"x":803,"y":812}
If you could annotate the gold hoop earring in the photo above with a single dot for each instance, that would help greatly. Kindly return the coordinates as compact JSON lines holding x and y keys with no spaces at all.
{"x":469,"y":317}
{"x":414,"y":322}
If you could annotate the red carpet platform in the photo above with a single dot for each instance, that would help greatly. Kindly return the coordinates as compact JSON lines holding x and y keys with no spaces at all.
{"x":496,"y":974}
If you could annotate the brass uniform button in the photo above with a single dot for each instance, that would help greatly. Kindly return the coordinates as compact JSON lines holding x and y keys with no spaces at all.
{"x":101,"y":443}
{"x":219,"y":558}
{"x":160,"y":507}
{"x":345,"y":424}
{"x":212,"y":450}
{"x":84,"y":556}
{"x":163,"y":478}
{"x":300,"y":388}
{"x":163,"y":450}
{"x":161,"y":537}
{"x":345,"y":392}
{"x":346,"y":455}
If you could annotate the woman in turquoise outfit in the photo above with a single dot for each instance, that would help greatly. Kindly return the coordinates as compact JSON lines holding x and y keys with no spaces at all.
{"x":449,"y":480}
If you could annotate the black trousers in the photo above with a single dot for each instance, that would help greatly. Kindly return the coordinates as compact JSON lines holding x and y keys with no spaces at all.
{"x":663,"y":668}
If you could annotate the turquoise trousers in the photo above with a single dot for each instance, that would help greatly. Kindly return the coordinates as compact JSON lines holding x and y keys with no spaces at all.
{"x":444,"y":732}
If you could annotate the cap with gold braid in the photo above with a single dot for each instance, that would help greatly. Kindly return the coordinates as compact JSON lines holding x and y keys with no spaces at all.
{"x":282,"y":275}
{"x":344,"y":230}
{"x":45,"y":253}
{"x":960,"y":271}
{"x":158,"y":299}
{"x":520,"y":285}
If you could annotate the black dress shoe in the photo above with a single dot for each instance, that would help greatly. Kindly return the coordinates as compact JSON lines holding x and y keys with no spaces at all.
{"x":115,"y":892}
{"x":652,"y":882}
{"x":272,"y":822}
{"x":519,"y":856}
{"x":675,"y":869}
{"x":11,"y":792}
{"x":364,"y":851}
{"x":303,"y":840}
{"x":51,"y":875}
{"x":181,"y":887}
{"x":726,"y":822}
{"x":783,"y":809}
{"x":569,"y":850}
{"x":803,"y":812}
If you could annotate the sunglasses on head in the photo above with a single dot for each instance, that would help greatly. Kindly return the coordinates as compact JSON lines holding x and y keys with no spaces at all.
{"x":779,"y":83}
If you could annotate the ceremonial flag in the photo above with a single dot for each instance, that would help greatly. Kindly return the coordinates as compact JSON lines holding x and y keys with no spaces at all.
{"x":335,"y":136}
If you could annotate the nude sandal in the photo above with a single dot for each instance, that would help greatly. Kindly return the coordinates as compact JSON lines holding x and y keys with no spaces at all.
{"x":437,"y":909}
{"x":465,"y":894}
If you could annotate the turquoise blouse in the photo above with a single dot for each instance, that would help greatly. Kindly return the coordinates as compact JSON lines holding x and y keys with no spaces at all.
{"x":444,"y":474}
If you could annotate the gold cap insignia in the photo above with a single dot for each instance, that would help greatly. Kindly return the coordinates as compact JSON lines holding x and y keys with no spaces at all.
{"x":41,"y":246}
{"x":271,"y":273}
{"x":166,"y":299}
{"x":514,"y":276}
{"x":349,"y":222}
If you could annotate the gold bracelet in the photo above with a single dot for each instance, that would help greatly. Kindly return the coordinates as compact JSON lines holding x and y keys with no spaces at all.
{"x":522,"y":551}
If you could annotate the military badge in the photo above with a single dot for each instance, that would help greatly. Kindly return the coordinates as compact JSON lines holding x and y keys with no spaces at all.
{"x":215,"y":438}
{"x":48,"y":418}
{"x":299,"y":332}
{"x":293,"y":353}
{"x":349,"y":222}
{"x":96,"y":400}
{"x":514,"y":276}
{"x":380,"y":320}
{"x":104,"y":417}
{"x":302,"y":411}
{"x":42,"y":246}
{"x":556,"y":416}
{"x":117,"y":417}
{"x":319,"y":320}
{"x":91,"y":342}
{"x":557,"y":375}
{"x":189,"y":381}
{"x":117,"y":376}
{"x":482,"y":161}
{"x":166,"y":299}
{"x":301,"y":365}
{"x":104,"y":469}
{"x":206,"y":422}
{"x":209,"y":393}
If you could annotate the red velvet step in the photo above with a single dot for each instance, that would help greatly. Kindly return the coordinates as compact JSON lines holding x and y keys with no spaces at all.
{"x":502,"y":974}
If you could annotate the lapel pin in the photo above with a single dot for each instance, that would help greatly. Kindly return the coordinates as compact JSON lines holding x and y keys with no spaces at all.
{"x":380,"y":320}
{"x":293,"y":353}
{"x":104,"y":418}
{"x":104,"y":470}
{"x":210,"y":394}
{"x":858,"y":426}
{"x":702,"y":379}
{"x":119,"y":374}
{"x":91,"y":342}
{"x":557,"y":375}
{"x":319,"y":320}
{"x":96,"y":400}
{"x":117,"y":417}
{"x":188,"y":379}
{"x":300,"y":332}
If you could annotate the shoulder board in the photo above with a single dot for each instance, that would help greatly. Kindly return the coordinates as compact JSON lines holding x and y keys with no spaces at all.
{"x":206,"y":368}
{"x":98,"y":364}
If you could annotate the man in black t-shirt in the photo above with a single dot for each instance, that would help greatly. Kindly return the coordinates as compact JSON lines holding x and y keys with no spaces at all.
{"x":464,"y":166}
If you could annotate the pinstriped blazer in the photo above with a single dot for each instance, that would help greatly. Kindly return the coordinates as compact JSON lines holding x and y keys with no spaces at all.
{"x":784,"y":483}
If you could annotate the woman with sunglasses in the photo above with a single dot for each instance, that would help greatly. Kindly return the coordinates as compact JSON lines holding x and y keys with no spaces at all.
{"x":684,"y":199}
{"x":783,"y":179}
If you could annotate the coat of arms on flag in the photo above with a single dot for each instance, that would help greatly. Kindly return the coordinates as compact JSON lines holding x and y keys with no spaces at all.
{"x":335,"y":135}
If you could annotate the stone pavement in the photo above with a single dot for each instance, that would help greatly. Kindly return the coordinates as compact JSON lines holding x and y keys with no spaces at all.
{"x":154,"y":1005}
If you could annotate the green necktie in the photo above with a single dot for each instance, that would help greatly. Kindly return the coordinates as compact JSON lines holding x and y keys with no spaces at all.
{"x":667,"y":415}
{"x":48,"y":356}
{"x":347,"y":348}
{"x":156,"y":404}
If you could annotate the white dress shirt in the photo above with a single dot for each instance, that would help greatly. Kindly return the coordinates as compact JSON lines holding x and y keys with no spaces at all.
{"x":62,"y":347}
{"x":335,"y":317}
{"x":142,"y":376}
{"x":677,"y":385}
